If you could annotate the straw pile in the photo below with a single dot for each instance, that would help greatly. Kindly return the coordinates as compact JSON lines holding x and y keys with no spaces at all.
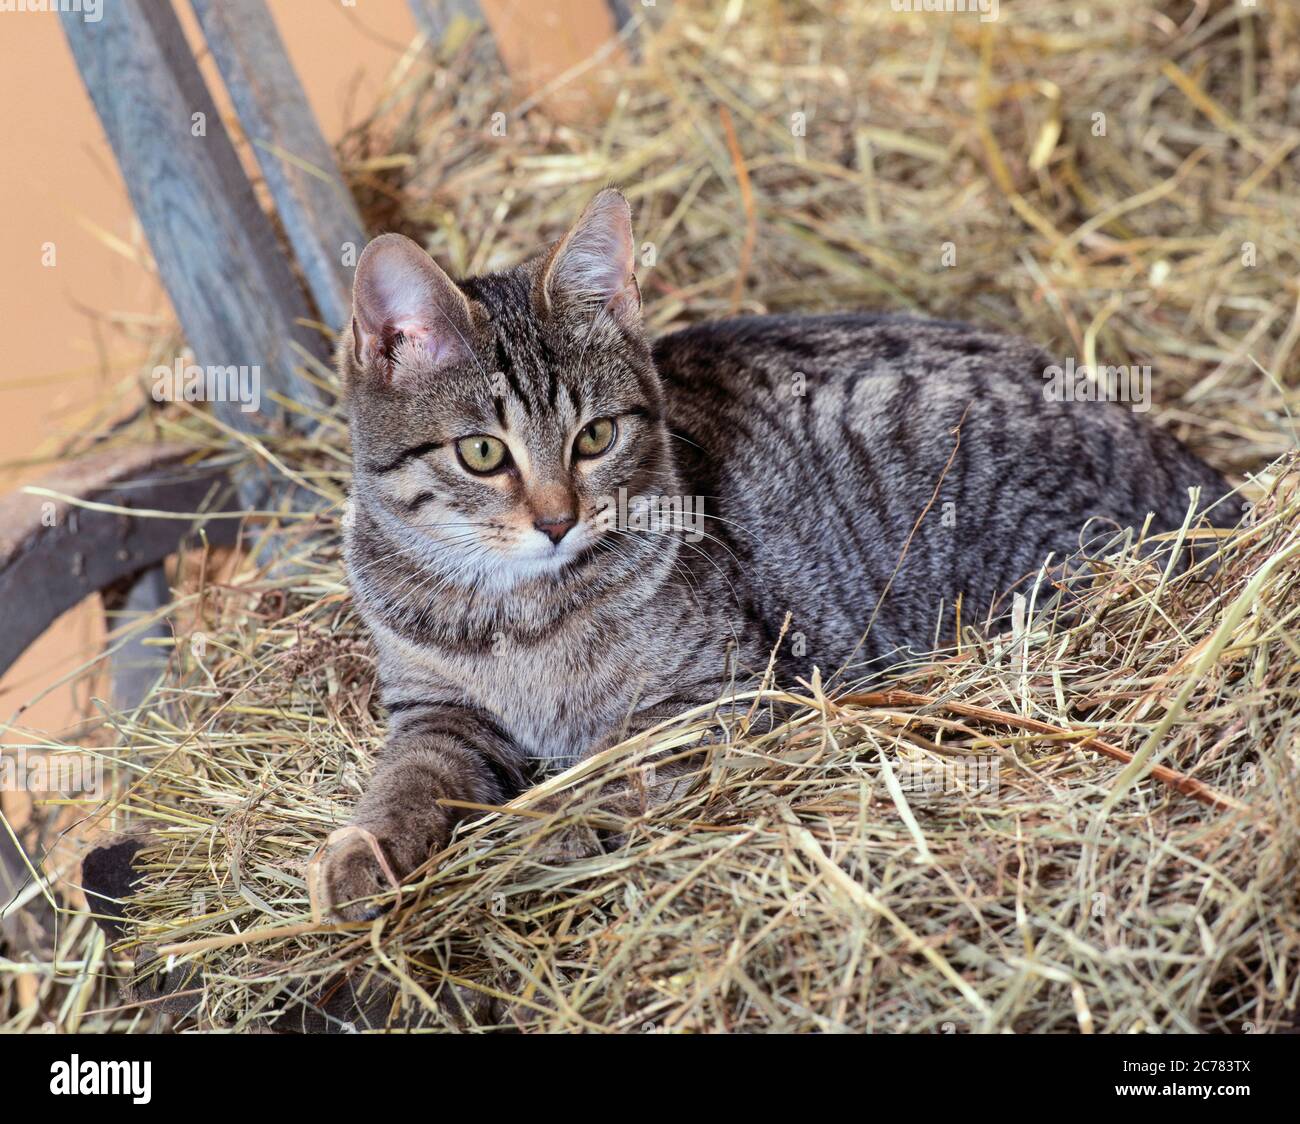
{"x":1090,"y":824}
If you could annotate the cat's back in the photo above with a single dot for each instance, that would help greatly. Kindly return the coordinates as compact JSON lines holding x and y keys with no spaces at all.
{"x":846,"y":455}
{"x":729,"y":366}
{"x":888,"y":399}
{"x":868,"y":402}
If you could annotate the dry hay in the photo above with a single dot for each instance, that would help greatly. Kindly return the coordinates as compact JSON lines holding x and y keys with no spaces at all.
{"x":1112,"y":841}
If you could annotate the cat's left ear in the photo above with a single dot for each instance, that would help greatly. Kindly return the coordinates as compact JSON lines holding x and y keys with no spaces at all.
{"x":399,"y":295}
{"x":591,"y":266}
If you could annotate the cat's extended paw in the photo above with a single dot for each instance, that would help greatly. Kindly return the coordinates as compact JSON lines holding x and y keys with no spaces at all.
{"x":352,"y":869}
{"x":599,"y":830}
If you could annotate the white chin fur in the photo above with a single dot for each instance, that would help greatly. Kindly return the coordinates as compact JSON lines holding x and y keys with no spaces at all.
{"x":535,"y":556}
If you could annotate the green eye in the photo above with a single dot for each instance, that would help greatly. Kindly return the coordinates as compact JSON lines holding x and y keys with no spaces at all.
{"x":595,"y":437}
{"x":481,"y":454}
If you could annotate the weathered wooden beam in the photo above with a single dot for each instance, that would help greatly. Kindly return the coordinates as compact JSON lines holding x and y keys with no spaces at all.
{"x":137,"y":664}
{"x":622,"y":11}
{"x":234,"y":293}
{"x":433,"y":17}
{"x":54,"y":554}
{"x":29,"y":929}
{"x":315,"y":206}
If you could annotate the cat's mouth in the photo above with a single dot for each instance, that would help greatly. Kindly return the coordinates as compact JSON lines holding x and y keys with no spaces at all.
{"x":537,"y":556}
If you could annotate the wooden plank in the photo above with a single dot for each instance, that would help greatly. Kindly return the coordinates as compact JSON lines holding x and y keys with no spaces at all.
{"x":27,"y":931}
{"x":542,"y":42}
{"x":315,"y":206}
{"x":434,"y":17}
{"x":54,"y":554}
{"x":137,"y":664}
{"x":237,"y":299}
{"x":622,"y":11}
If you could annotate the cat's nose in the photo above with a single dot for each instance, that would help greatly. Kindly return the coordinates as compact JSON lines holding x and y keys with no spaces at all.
{"x":555,"y":527}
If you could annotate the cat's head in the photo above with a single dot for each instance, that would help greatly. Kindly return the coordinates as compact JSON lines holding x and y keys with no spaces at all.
{"x":493,"y":418}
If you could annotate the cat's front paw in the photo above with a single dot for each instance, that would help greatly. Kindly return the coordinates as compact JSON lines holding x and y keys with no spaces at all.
{"x":351,"y":871}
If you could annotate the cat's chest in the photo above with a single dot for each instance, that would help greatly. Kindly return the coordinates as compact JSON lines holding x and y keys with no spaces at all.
{"x":554,"y":699}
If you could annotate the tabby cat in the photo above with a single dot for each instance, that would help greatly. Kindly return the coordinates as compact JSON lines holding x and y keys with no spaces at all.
{"x":561,"y":531}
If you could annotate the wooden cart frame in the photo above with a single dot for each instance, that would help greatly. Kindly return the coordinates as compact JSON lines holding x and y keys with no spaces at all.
{"x":242,"y":294}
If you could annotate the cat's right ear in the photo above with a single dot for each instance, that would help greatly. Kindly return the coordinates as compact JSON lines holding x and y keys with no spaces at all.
{"x":590,"y":268}
{"x":405,"y":308}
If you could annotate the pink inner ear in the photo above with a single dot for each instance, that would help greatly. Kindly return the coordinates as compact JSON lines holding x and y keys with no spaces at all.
{"x":439,"y":346}
{"x":401,"y":299}
{"x":595,"y":262}
{"x":626,"y":303}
